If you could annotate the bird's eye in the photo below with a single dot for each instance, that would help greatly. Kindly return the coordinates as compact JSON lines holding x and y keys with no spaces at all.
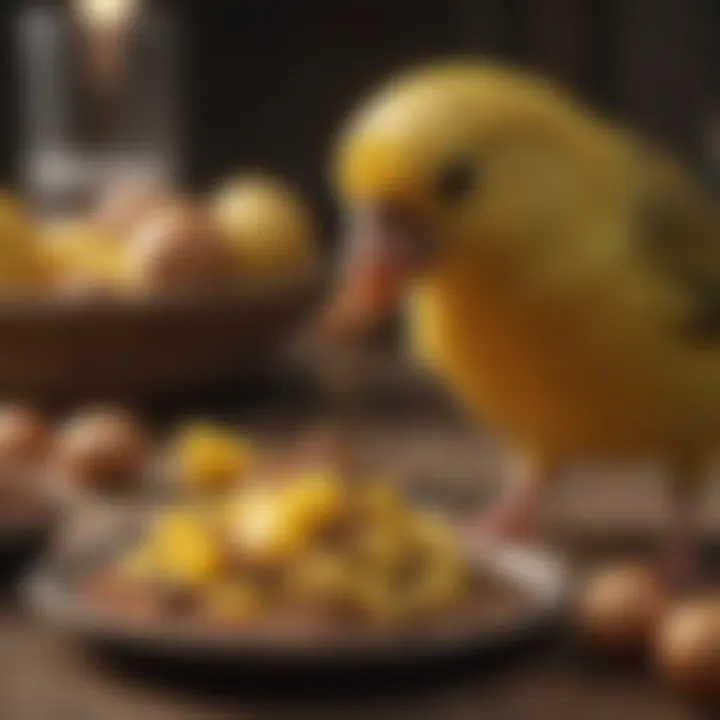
{"x":457,"y":179}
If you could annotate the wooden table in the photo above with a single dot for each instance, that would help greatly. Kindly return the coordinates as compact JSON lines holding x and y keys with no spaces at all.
{"x":44,"y":676}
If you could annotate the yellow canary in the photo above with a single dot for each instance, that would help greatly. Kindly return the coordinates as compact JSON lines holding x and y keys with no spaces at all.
{"x":562,"y":276}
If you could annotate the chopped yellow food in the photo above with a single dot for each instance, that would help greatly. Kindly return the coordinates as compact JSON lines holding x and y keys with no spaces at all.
{"x":432,"y":533}
{"x":381,"y":546}
{"x":373,"y":596}
{"x":439,"y":587}
{"x":235,"y":600}
{"x":321,"y":576}
{"x":182,"y":548}
{"x":263,"y":528}
{"x":314,"y":499}
{"x":312,"y":539}
{"x":380,"y":501}
{"x":211,"y":457}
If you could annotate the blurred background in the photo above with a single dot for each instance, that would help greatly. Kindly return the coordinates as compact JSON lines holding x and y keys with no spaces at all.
{"x":266,"y":83}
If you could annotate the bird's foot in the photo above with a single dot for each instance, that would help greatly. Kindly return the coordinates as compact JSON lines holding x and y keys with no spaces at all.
{"x":513,"y":516}
{"x":508,"y":521}
{"x":511,"y":519}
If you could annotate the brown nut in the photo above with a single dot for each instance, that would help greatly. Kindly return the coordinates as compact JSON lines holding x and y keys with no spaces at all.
{"x":126,"y":204}
{"x":103,"y":448}
{"x":621,"y":607}
{"x":178,"y":249}
{"x":24,"y":435}
{"x":688,"y":647}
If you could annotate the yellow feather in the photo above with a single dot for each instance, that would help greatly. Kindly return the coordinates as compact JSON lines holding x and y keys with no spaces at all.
{"x":548,"y":314}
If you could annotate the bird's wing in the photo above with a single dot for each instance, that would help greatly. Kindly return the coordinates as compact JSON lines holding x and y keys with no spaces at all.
{"x":680,"y":232}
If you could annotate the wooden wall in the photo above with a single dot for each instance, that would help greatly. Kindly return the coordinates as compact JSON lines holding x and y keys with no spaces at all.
{"x":268,"y":81}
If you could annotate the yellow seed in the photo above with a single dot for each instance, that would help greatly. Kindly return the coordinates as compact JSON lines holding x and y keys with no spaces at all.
{"x":183,"y":549}
{"x":211,"y":457}
{"x":314,"y":499}
{"x":262,"y":528}
{"x":380,"y":499}
{"x":321,"y":576}
{"x":235,"y":601}
{"x":376,"y":598}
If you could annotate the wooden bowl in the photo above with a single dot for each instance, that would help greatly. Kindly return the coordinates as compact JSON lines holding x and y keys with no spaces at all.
{"x":137,"y":348}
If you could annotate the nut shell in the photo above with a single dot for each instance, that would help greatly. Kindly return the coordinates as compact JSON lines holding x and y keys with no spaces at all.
{"x":125,"y":205}
{"x":24,"y":435}
{"x":688,"y":647}
{"x":620,"y":608}
{"x":103,"y":449}
{"x":178,"y":249}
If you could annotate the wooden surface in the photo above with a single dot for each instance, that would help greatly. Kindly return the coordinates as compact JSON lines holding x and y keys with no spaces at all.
{"x":45,"y":676}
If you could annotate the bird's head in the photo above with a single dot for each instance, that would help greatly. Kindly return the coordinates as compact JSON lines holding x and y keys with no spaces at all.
{"x":460,"y":163}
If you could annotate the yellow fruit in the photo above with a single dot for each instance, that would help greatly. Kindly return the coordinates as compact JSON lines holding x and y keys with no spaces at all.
{"x":380,"y":501}
{"x":262,"y":528}
{"x":235,"y":600}
{"x":314,"y":499}
{"x":270,"y":228}
{"x":432,"y":533}
{"x":21,"y":264}
{"x":375,"y":598}
{"x":211,"y":457}
{"x":321,"y":576}
{"x":78,"y":250}
{"x":441,"y":584}
{"x":183,"y":548}
{"x":380,"y":546}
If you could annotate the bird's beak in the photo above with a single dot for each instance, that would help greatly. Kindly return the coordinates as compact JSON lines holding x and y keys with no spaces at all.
{"x":384,"y":248}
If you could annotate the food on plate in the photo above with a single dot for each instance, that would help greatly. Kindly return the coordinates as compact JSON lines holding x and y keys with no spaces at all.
{"x":308,"y":544}
{"x":621,"y":607}
{"x":103,"y":448}
{"x":209,"y":457}
{"x":269,"y":227}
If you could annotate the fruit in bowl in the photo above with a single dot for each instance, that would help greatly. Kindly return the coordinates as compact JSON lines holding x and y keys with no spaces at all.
{"x":179,"y":249}
{"x":268,"y":225}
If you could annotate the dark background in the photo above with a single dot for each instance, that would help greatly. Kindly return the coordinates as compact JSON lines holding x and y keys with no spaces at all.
{"x":268,"y":81}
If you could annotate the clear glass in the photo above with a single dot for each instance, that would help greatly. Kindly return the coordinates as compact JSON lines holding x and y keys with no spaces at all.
{"x":99,"y":99}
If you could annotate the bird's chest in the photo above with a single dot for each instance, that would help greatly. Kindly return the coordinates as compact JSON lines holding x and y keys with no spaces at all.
{"x":542,"y":375}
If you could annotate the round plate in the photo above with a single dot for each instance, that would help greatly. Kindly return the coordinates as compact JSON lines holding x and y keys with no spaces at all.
{"x":51,"y":591}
